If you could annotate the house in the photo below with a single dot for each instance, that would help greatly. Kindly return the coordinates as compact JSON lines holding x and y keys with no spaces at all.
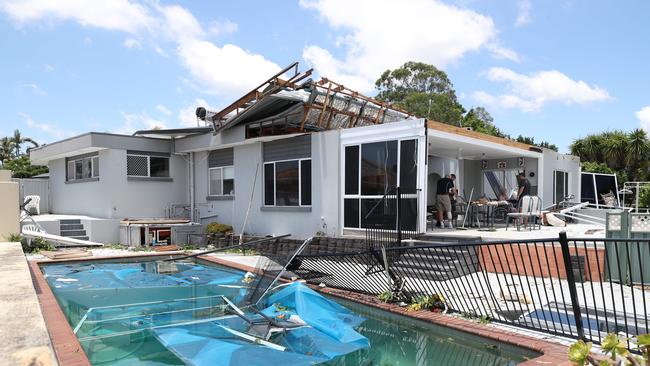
{"x":291,"y":156}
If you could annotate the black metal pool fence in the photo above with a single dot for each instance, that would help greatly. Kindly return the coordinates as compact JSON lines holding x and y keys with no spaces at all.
{"x":578,"y":288}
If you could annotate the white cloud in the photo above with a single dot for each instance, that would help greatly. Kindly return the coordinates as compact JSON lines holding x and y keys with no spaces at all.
{"x":379,"y":35}
{"x":503,"y":53}
{"x":227,"y":71}
{"x":35,"y":89}
{"x":122,"y":15}
{"x":523,"y":15}
{"x":222,"y":27}
{"x":48,"y":67}
{"x":532,"y":92}
{"x":138,"y":121}
{"x":49,"y":129}
{"x":132,"y":43}
{"x":644,"y":118}
{"x":163,"y":109}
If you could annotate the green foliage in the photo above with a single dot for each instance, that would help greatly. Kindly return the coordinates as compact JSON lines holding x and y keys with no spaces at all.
{"x":21,"y":167}
{"x":7,"y":150}
{"x":480,"y":120}
{"x":435,"y":302}
{"x":35,"y":245}
{"x":386,"y":296}
{"x":644,"y":198}
{"x":531,"y":141}
{"x":15,"y":238}
{"x":614,"y":346}
{"x":625,"y":154}
{"x":578,"y":352}
{"x":595,"y":167}
{"x":217,"y":228}
{"x":423,"y":90}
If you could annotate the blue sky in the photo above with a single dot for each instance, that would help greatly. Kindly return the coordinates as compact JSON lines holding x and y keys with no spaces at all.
{"x":555,"y":70}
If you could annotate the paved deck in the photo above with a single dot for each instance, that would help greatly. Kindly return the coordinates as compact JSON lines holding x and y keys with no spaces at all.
{"x":23,"y":336}
{"x":572,"y":230}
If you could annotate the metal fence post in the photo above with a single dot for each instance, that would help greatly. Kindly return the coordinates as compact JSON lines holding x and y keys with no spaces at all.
{"x":573,"y":292}
{"x":399,"y":221}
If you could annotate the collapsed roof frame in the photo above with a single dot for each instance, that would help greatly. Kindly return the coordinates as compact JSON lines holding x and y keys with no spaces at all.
{"x":306,"y":106}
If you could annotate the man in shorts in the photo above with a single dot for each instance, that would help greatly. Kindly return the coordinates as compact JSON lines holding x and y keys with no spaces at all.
{"x":444,"y":189}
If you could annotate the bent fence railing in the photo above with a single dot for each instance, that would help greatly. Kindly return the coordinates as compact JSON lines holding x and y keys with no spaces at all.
{"x":578,"y":288}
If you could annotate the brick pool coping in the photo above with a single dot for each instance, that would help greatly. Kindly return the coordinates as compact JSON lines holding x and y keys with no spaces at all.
{"x":69,"y":351}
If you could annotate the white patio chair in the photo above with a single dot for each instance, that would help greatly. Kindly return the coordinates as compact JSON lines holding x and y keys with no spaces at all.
{"x":30,"y":227}
{"x":535,"y":212}
{"x":523,"y":211}
{"x":34,"y":205}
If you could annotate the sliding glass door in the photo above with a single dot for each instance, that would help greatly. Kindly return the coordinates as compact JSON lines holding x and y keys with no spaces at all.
{"x":372,"y":171}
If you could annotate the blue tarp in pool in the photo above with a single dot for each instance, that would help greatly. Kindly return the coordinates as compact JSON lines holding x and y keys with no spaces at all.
{"x":329,"y":332}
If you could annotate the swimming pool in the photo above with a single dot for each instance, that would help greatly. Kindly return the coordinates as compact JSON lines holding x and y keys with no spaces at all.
{"x":108,"y":315}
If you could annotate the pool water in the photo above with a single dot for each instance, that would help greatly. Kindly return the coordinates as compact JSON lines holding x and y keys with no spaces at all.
{"x":114,"y":305}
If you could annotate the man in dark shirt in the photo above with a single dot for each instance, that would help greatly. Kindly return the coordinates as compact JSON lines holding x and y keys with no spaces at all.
{"x":444,"y":189}
{"x":524,"y":186}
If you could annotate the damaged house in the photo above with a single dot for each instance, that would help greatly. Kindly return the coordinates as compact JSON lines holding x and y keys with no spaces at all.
{"x":293,"y":155}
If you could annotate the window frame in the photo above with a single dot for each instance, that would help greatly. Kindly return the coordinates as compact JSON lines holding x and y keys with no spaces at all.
{"x":359,"y":196}
{"x":565,"y":187}
{"x":275,"y":193}
{"x":73,"y":161}
{"x":210,"y":194}
{"x":148,"y":176}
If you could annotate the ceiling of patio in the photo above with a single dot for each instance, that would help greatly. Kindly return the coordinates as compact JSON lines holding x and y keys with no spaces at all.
{"x":473,"y":150}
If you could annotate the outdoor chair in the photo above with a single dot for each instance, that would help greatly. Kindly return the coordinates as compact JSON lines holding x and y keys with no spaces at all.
{"x":33,"y":206}
{"x":530,"y":208}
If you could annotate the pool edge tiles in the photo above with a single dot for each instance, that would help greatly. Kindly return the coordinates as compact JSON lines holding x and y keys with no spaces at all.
{"x":69,"y":351}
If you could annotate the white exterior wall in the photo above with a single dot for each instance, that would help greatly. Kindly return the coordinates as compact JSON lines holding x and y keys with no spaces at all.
{"x":554,"y":161}
{"x":301,"y":222}
{"x":113,"y":195}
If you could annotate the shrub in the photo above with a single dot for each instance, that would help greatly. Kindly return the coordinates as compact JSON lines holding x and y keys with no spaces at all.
{"x":15,"y":238}
{"x":217,"y":228}
{"x":644,"y":198}
{"x":35,"y":245}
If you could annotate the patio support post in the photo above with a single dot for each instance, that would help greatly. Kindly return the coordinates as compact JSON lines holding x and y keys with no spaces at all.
{"x":573,"y":293}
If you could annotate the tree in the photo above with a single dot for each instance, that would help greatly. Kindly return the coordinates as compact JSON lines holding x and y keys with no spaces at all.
{"x":595,"y":167}
{"x":18,"y":140}
{"x":615,"y":147}
{"x":479,"y":119}
{"x":638,"y":152}
{"x":22,"y":167}
{"x":6,"y":150}
{"x":423,"y":90}
{"x":531,"y":141}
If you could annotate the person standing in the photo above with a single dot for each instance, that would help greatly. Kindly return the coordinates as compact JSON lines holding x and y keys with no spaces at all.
{"x":524,"y":186}
{"x":444,"y":189}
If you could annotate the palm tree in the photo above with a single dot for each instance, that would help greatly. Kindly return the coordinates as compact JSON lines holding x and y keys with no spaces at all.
{"x":615,"y":147}
{"x":18,"y":140}
{"x":638,"y":151}
{"x":6,"y":150}
{"x":592,"y":147}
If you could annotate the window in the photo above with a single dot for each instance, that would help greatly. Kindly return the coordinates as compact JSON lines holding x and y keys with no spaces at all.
{"x":81,"y":168}
{"x":560,"y":185}
{"x":500,"y":183}
{"x":222,"y":181}
{"x":147,"y":166}
{"x":373,"y":169}
{"x":287,"y":183}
